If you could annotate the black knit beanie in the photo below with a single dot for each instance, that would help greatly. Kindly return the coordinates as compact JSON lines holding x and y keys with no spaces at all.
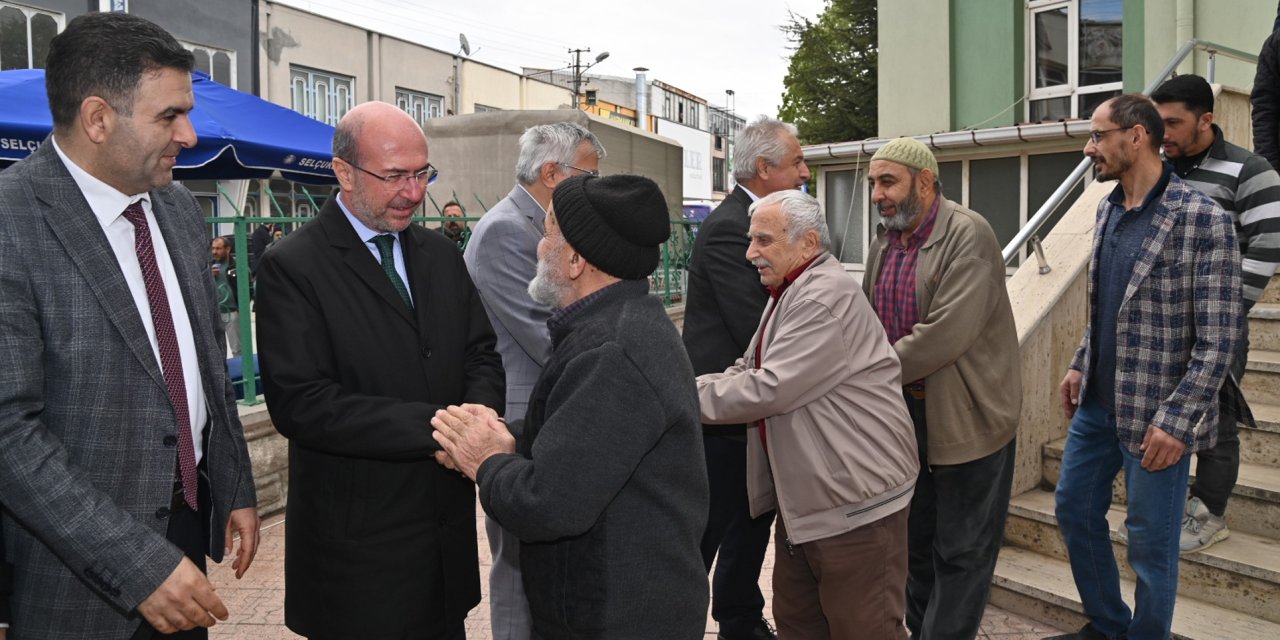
{"x":617,"y":222}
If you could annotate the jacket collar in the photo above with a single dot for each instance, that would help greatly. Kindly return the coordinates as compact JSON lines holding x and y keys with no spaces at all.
{"x":72,"y":221}
{"x":357,"y":257}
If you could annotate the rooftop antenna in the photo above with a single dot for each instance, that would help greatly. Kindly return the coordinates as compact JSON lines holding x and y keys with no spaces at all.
{"x":465,"y":46}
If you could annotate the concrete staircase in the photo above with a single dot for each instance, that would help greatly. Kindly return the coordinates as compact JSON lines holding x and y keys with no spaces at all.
{"x":1230,"y":591}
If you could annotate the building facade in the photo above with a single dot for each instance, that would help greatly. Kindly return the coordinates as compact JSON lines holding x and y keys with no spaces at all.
{"x":1003,"y":90}
{"x":670,"y":111}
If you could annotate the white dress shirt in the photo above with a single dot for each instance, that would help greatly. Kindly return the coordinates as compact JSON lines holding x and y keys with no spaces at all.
{"x":108,"y":207}
{"x":366,"y":236}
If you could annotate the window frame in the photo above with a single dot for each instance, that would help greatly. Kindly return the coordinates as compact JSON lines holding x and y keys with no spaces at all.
{"x":28,"y":12}
{"x":193,"y":47}
{"x":335,"y":107}
{"x":1072,"y":90}
{"x":432,"y":104}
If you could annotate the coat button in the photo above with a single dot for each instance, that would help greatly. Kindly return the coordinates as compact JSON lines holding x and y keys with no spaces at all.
{"x":170,"y":440}
{"x":426,"y":352}
{"x":162,"y":513}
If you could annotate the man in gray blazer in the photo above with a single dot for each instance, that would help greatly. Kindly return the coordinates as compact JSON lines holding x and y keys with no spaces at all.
{"x":122,"y":461}
{"x":502,"y":257}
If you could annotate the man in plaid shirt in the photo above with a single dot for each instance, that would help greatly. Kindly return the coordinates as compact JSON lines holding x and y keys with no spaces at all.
{"x":1164,"y":294}
{"x":936,"y":279}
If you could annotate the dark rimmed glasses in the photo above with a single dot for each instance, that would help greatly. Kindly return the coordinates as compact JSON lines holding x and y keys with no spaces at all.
{"x":593,"y":174}
{"x":398,"y":181}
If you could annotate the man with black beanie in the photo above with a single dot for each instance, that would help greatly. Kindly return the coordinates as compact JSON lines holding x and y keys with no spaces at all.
{"x":604,"y":480}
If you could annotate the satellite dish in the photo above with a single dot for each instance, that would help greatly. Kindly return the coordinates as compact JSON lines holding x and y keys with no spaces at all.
{"x":602,"y":56}
{"x":466,"y":46}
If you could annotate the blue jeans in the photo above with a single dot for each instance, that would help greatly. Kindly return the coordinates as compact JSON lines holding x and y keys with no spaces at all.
{"x":1093,"y":457}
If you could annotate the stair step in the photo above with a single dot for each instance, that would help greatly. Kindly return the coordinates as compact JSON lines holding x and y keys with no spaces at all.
{"x":1262,"y":376}
{"x":1241,"y":573}
{"x":1270,"y":295}
{"x":1255,"y":501}
{"x":1041,"y":588}
{"x":1264,"y":326}
{"x":1261,"y":446}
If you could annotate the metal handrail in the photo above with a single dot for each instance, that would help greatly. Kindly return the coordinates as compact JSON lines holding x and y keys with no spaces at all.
{"x":1029,"y":230}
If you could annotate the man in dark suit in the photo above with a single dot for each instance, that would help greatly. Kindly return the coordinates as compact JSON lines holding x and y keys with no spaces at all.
{"x":369,"y":324}
{"x":122,"y":461}
{"x":725,"y":300}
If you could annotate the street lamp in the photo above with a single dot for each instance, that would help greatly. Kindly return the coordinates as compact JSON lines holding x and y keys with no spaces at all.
{"x":578,"y":70}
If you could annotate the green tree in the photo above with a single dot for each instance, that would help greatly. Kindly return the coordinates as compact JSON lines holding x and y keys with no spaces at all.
{"x":830,"y":88}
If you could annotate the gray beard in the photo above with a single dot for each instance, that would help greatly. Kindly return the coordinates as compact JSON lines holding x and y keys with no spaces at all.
{"x":908,"y":209}
{"x":544,"y":288}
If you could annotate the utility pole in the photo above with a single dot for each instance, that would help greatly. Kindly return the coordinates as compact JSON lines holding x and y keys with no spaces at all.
{"x":579,"y":69}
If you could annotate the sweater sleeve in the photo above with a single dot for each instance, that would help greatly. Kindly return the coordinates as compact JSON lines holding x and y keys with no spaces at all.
{"x":602,"y":418}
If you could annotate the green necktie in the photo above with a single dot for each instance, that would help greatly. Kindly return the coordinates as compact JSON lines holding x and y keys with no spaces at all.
{"x":384,"y":242}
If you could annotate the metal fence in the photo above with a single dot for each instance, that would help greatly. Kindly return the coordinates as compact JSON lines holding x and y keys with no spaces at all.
{"x":668,"y":280}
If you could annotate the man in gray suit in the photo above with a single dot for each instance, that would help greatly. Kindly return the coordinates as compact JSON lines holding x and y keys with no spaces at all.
{"x":502,"y":257}
{"x":122,"y":461}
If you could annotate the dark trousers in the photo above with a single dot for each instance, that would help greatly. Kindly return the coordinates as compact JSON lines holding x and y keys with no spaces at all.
{"x":846,"y":586}
{"x":1217,"y":469}
{"x":740,"y":540}
{"x":954,"y":531}
{"x":188,"y":530}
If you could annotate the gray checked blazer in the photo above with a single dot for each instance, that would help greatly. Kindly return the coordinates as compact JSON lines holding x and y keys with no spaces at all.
{"x":87,"y":434}
{"x":1178,"y":323}
{"x":502,"y":256}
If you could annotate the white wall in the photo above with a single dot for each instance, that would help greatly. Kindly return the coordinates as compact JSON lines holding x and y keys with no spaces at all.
{"x":697,"y":157}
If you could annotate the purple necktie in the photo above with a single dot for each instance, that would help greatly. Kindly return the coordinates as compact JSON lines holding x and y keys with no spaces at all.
{"x":170,"y":357}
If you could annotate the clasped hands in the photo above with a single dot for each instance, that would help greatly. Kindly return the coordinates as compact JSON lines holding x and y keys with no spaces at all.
{"x":469,"y":435}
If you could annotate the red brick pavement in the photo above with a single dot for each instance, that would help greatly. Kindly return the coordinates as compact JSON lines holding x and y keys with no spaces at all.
{"x":257,"y":601}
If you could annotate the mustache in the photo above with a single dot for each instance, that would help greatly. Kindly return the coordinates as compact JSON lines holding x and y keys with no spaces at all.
{"x":761,"y":263}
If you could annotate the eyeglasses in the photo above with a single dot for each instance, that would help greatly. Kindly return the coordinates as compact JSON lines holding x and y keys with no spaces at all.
{"x":1096,"y":136}
{"x":594,"y":174}
{"x":397,"y":181}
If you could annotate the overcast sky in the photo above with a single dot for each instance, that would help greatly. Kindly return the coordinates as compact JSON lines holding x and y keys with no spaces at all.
{"x":701,"y":46}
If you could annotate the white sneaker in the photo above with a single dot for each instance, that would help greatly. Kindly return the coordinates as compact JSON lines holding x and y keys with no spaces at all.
{"x":1200,"y":528}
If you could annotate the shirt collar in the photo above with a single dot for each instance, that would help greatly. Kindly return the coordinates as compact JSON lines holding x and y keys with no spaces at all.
{"x":1117,"y":195}
{"x":923,"y":230}
{"x":776,"y":292}
{"x":106,"y":202}
{"x":535,"y":200}
{"x":561,"y":317}
{"x":753,"y":196}
{"x":366,"y":234}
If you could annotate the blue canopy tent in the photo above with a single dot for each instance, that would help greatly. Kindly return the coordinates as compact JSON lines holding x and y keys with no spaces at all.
{"x":241,"y":136}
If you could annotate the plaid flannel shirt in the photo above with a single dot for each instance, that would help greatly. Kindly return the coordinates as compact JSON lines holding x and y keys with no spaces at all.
{"x":1178,"y":323}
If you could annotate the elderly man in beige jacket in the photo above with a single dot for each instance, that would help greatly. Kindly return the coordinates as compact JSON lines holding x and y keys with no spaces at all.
{"x":830,"y":443}
{"x":936,"y":279}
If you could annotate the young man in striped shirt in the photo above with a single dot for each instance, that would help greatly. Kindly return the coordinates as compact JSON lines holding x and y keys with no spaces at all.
{"x":1245,"y":185}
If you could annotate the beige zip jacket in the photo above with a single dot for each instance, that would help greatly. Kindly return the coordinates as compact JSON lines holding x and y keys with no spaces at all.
{"x":965,"y":346}
{"x":841,"y":447}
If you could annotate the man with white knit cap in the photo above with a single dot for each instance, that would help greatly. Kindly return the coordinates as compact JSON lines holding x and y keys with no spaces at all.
{"x":936,"y":278}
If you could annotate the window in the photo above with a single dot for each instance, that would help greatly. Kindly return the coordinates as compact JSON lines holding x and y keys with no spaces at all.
{"x":1074,"y":56}
{"x":846,"y":197}
{"x":419,"y":105}
{"x":25,"y":34}
{"x":1005,"y":189}
{"x":323,"y":96}
{"x":678,"y":108}
{"x":220,"y":64}
{"x":719,"y":171}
